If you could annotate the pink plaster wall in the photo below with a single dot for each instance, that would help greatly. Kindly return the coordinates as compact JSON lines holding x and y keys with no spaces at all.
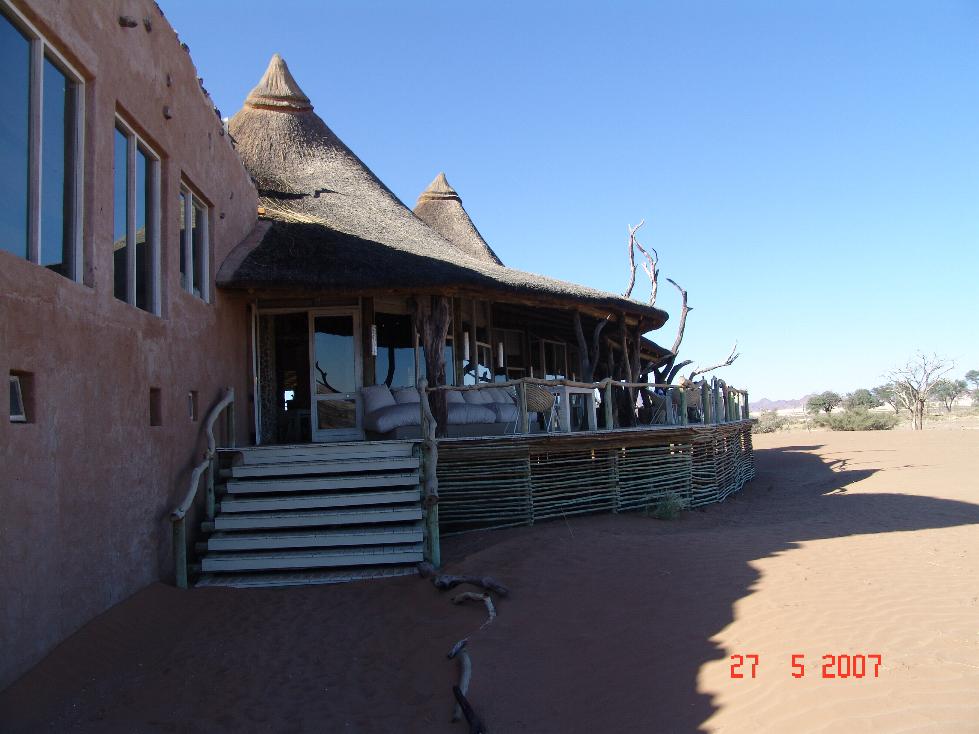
{"x":87,"y":486}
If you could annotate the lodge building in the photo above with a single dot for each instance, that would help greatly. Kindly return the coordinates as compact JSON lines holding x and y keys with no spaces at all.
{"x":214,"y":335}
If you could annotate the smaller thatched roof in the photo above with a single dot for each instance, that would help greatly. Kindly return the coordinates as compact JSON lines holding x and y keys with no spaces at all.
{"x":440,"y":207}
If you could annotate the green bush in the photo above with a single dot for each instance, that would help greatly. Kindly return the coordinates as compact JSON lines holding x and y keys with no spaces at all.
{"x":769,"y":422}
{"x":668,"y":507}
{"x":858,"y":420}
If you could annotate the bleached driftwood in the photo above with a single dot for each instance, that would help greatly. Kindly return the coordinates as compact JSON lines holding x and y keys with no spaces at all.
{"x":476,"y":726}
{"x":446,"y":581}
{"x":465,"y":672}
{"x":485,"y":598}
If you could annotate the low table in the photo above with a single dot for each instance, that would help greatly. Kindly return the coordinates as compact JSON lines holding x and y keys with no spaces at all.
{"x":563,"y":393}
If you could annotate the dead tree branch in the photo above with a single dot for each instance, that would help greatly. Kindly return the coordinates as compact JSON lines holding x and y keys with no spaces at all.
{"x":632,"y":258}
{"x":726,"y":363}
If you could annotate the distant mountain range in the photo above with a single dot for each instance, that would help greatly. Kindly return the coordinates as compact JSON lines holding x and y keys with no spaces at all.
{"x":764,"y":404}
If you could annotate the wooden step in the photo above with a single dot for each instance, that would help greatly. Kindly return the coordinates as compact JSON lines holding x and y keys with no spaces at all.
{"x":303,"y":578}
{"x":311,"y":501}
{"x":313,"y":518}
{"x":327,"y":466}
{"x":318,"y":452}
{"x":372,"y":535}
{"x":312,"y":484}
{"x":298,"y":559}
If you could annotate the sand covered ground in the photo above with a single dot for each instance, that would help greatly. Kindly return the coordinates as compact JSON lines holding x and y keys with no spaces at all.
{"x":863,"y":543}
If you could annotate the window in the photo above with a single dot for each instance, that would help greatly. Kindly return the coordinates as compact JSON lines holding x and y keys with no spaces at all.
{"x":18,"y":411}
{"x":156,"y":407}
{"x":40,"y":151}
{"x":194,"y":244}
{"x":395,"y":362}
{"x":135,"y":239}
{"x":192,"y":405}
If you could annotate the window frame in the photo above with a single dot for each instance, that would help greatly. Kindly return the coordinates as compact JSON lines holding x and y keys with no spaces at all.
{"x":190,"y":196}
{"x":40,"y":50}
{"x":19,"y":388}
{"x":135,"y":142}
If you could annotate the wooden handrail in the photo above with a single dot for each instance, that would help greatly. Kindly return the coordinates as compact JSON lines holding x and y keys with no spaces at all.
{"x":184,"y":507}
{"x":720,"y":403}
{"x":568,"y":383}
{"x":178,"y":516}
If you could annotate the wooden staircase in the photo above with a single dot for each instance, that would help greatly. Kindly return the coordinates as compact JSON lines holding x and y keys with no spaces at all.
{"x":314,"y":514}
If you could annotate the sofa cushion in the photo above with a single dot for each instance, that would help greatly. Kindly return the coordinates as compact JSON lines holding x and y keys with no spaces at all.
{"x":376,"y":397}
{"x":406,"y":396}
{"x":454,"y":396}
{"x":505,"y":412}
{"x":390,"y":417}
{"x":478,"y":397}
{"x":461,"y":414}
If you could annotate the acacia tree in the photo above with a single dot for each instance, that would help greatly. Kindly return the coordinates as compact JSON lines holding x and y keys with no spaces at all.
{"x":948,"y":391}
{"x":825,"y":401}
{"x":888,"y":394}
{"x":972,"y":377}
{"x":914,"y":381}
{"x":861,"y":399}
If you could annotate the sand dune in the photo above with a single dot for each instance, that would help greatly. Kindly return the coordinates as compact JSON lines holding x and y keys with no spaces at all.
{"x":845,"y":543}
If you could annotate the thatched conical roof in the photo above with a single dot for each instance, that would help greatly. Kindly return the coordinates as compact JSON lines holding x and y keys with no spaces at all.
{"x":331,"y":224}
{"x":440,"y":207}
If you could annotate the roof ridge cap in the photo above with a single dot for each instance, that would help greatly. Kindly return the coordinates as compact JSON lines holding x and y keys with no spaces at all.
{"x":278,"y":90}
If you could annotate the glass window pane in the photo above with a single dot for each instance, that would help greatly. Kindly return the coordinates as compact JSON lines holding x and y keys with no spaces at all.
{"x":450,"y":365}
{"x":198,"y":251}
{"x":395,"y":363}
{"x":183,"y":239}
{"x":57,"y":170}
{"x":15,"y":53}
{"x":333,"y":344}
{"x":331,"y":414}
{"x":120,"y":185}
{"x":143,"y":252}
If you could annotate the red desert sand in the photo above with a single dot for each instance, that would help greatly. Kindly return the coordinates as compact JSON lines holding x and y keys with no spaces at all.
{"x":845,"y":544}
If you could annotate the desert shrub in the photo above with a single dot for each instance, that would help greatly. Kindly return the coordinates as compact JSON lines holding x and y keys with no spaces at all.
{"x":667,"y":507}
{"x":769,"y":422}
{"x":858,"y":420}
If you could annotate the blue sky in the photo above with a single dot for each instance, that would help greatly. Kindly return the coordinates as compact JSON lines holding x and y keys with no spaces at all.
{"x":809,"y":171}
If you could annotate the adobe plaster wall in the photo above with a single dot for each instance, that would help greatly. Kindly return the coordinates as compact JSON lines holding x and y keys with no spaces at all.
{"x":86,"y":487}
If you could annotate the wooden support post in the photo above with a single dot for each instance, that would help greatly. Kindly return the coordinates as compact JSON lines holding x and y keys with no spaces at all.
{"x":212,"y":471}
{"x":428,"y":466}
{"x":524,"y":416}
{"x":231,"y":424}
{"x":607,"y":406}
{"x":180,"y":552}
{"x":745,"y":413}
{"x":683,"y":407}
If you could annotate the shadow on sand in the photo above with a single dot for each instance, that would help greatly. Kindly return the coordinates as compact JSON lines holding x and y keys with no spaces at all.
{"x":590,"y":664}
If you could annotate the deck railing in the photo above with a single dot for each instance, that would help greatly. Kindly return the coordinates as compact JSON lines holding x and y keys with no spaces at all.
{"x":207,"y":467}
{"x":716,"y":401}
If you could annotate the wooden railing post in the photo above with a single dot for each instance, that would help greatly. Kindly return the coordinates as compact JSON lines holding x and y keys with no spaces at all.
{"x":180,"y":552}
{"x":429,"y":476}
{"x":524,"y":416}
{"x":683,"y":407}
{"x":745,"y":413}
{"x":212,"y":471}
{"x":607,"y":405}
